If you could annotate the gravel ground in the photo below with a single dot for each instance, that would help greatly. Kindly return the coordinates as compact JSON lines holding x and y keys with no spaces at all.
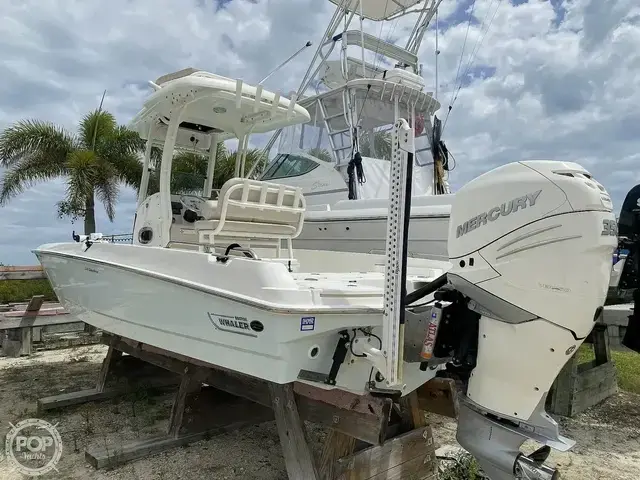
{"x":608,"y":436}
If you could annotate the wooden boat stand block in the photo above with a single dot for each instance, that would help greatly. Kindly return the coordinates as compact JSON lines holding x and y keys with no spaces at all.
{"x":579,"y":387}
{"x":17,"y":341}
{"x":20,"y":329}
{"x":369,"y":437}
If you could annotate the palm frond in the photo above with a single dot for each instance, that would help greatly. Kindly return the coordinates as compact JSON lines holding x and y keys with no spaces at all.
{"x":321,"y":154}
{"x":23,"y":174}
{"x":188,"y":172}
{"x":129,"y":140}
{"x":35,"y":137}
{"x":106,"y":186}
{"x":72,"y":210}
{"x":226,"y":166}
{"x":381,"y":145}
{"x":254,"y":156}
{"x":94,"y":163}
{"x":81,"y":167}
{"x":97,"y":123}
{"x":123,"y":150}
{"x":156,"y":156}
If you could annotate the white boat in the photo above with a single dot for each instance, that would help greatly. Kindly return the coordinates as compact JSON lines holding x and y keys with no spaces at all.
{"x":338,"y":158}
{"x":272,"y":318}
{"x":218,"y":280}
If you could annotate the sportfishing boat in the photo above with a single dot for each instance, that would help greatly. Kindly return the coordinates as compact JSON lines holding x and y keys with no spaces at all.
{"x":340,"y":159}
{"x":216,"y":277}
{"x":223,"y":262}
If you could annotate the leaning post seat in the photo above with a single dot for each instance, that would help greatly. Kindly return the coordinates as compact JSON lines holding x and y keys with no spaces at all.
{"x":253,"y":210}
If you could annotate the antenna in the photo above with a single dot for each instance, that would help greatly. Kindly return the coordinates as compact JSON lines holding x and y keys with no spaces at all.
{"x":306,"y":45}
{"x":435,"y":96}
{"x":95,"y":127}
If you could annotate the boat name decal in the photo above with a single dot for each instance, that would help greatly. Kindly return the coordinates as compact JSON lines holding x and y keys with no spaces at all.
{"x":507,"y":208}
{"x":231,"y":324}
{"x":318,"y":184}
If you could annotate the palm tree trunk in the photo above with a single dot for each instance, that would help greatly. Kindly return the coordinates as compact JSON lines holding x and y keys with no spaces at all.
{"x":89,"y":215}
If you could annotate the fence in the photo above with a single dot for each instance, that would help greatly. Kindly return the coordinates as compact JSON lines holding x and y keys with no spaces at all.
{"x":26,"y":324}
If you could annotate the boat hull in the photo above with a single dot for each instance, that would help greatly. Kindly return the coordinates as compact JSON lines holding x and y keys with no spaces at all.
{"x":155,"y":308}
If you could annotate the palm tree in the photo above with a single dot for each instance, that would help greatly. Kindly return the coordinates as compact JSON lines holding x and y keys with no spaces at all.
{"x":189,"y":169}
{"x":381,"y":144}
{"x":321,"y":154}
{"x":94,"y":162}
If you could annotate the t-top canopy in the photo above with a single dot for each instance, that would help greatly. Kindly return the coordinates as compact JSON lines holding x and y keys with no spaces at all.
{"x":378,"y":9}
{"x":214,"y":104}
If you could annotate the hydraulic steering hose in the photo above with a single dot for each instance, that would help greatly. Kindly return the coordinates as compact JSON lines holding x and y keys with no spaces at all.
{"x":425,"y":290}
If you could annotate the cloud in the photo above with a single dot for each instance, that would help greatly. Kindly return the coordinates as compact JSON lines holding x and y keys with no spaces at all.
{"x":550,"y":79}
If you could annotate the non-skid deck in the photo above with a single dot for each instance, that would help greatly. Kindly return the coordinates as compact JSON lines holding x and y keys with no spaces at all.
{"x":366,"y":288}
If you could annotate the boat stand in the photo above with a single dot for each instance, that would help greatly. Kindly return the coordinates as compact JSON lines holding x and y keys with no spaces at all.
{"x":370,"y":437}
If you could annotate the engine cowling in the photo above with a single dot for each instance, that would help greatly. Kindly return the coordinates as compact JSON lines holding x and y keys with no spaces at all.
{"x":531,"y":246}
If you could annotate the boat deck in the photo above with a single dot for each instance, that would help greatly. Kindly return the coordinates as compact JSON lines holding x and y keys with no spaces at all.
{"x":366,"y":289}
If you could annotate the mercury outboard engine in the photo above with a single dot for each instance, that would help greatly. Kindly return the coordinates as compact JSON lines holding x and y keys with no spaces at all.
{"x":531,"y":246}
{"x":629,"y":242}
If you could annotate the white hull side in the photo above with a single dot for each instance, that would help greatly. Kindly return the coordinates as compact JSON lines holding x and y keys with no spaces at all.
{"x":180,"y":319}
{"x":427,"y":236}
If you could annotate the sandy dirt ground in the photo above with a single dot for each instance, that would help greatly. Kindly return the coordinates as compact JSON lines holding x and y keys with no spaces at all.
{"x":608,"y":436}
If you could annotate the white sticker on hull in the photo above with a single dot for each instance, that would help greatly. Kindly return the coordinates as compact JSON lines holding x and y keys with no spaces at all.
{"x":307,"y":324}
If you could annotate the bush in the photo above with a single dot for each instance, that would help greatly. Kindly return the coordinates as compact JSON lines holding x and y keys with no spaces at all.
{"x":23,"y":290}
{"x":462,"y":466}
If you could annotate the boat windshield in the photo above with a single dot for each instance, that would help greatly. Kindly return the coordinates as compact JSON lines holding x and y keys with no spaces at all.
{"x":287,"y":165}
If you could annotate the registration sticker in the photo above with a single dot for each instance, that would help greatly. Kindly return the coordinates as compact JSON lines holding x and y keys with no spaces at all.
{"x":307,"y":323}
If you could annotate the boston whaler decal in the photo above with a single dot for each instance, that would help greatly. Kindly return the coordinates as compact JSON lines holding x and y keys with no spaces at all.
{"x":496,"y":212}
{"x":231,"y":324}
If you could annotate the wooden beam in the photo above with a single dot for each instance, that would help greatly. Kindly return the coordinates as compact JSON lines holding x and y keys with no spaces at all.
{"x":337,"y":445}
{"x":118,"y":376}
{"x":109,"y":457}
{"x":439,"y":396}
{"x":179,"y":404}
{"x":340,"y":398}
{"x":293,"y":439}
{"x":92,"y":395}
{"x":601,"y":344}
{"x":43,"y":319}
{"x":18,"y":341}
{"x":410,"y":455}
{"x":364,"y":423}
{"x":107,"y":365}
{"x":412,"y":414}
{"x":580,"y":386}
{"x":22,"y":273}
{"x":231,"y":401}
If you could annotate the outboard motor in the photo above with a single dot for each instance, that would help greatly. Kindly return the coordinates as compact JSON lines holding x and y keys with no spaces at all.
{"x":629,"y":241}
{"x":531,"y":246}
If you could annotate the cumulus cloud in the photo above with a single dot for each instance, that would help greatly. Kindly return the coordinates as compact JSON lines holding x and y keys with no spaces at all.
{"x":550,"y":79}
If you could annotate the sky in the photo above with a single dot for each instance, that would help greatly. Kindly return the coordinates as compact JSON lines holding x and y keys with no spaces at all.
{"x":551,"y":79}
